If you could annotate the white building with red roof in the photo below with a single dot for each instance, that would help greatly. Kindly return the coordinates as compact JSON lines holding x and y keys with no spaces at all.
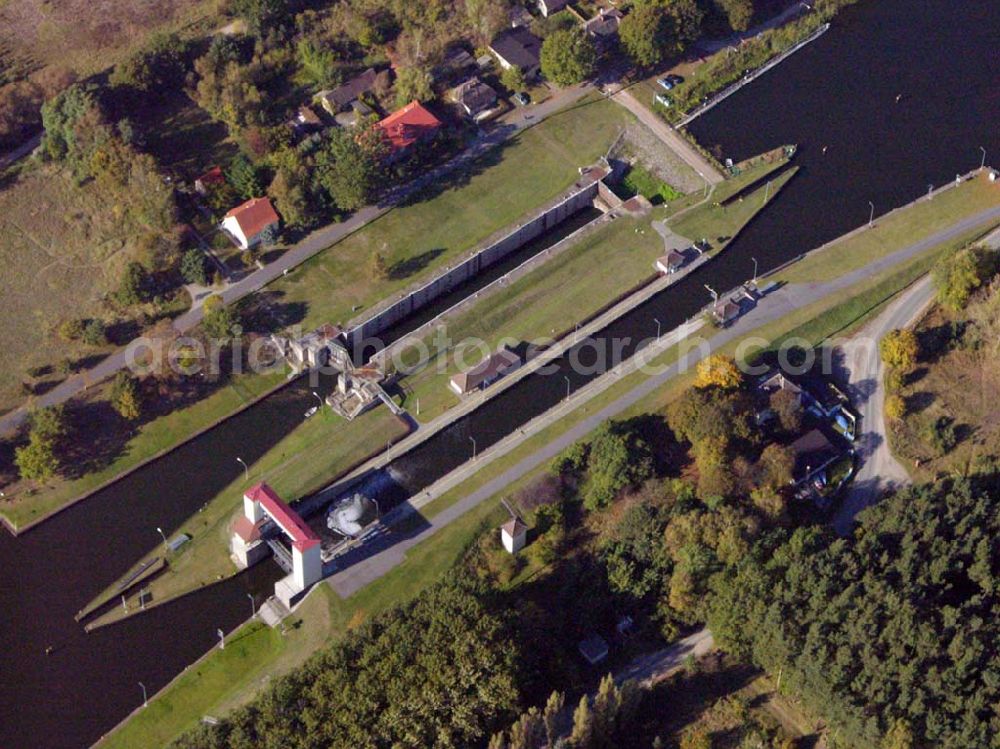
{"x":406,"y":126}
{"x":252,"y":222}
{"x":263,"y":513}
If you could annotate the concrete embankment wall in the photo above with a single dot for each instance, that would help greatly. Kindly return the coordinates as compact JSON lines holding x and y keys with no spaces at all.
{"x":452,"y":278}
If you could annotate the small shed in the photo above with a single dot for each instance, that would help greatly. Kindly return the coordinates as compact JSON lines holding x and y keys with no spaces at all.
{"x":513,"y":535}
{"x":672,"y":262}
{"x":594,"y":649}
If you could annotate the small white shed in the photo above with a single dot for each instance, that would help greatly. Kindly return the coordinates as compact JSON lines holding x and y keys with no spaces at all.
{"x":513,"y":535}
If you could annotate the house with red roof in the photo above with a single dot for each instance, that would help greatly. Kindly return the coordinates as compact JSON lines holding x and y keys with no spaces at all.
{"x":407,"y":126}
{"x":252,"y":223}
{"x":266,"y":516}
{"x":209,"y":180}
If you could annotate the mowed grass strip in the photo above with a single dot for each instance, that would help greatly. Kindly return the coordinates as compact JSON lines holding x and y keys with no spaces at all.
{"x":417,"y":239}
{"x":893,"y":232}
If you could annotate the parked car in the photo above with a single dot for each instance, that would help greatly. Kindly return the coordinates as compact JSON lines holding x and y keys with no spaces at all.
{"x":665,"y":83}
{"x":664,"y":100}
{"x":522,"y":98}
{"x":675,"y":79}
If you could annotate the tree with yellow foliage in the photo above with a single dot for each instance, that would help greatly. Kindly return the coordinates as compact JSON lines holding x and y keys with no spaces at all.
{"x":718,"y":371}
{"x":899,"y":349}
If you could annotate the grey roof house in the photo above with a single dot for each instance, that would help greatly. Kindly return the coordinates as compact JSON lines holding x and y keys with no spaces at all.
{"x":518,"y":48}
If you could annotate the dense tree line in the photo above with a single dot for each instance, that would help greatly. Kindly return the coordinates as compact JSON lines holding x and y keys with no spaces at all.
{"x":440,"y":671}
{"x":888,"y":635}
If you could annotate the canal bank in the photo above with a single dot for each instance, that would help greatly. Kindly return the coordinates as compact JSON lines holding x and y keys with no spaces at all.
{"x":52,"y":697}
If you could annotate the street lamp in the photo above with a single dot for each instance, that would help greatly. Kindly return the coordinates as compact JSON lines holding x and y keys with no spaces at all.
{"x":145,"y":701}
{"x":253,"y":606}
{"x":318,"y":398}
{"x":246,"y":469}
{"x":222,"y":638}
{"x":657,"y":328}
{"x":871,"y":216}
{"x":162,"y":534}
{"x":567,"y":386}
{"x":754,"y":269}
{"x":473,"y":439}
{"x":982,"y":164}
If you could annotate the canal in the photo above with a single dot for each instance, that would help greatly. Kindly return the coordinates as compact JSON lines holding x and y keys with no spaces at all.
{"x":839,"y":94}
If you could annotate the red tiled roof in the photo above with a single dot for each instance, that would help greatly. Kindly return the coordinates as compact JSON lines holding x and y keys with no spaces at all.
{"x":213,"y":176}
{"x":246,"y":529}
{"x":303,"y":537}
{"x":254,"y":216}
{"x":406,"y":126}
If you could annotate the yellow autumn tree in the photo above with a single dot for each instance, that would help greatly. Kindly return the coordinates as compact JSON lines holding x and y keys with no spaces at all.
{"x":718,"y":371}
{"x":899,"y":349}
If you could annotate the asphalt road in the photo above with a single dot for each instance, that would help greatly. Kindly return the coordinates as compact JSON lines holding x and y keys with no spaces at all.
{"x":879,"y":470}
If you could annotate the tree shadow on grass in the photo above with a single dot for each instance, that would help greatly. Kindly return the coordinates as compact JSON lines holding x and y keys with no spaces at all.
{"x":97,"y":437}
{"x":412,"y":266}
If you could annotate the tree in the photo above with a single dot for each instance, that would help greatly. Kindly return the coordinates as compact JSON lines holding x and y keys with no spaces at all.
{"x":568,"y":56}
{"x":956,"y":277}
{"x":349,"y":167}
{"x":244,"y":177}
{"x":550,"y":716}
{"x":582,"y":736}
{"x":290,"y":199}
{"x":899,"y":736}
{"x":618,"y":458}
{"x":125,"y":398}
{"x":413,"y":84}
{"x":513,"y":80}
{"x":718,"y":371}
{"x":133,"y":288}
{"x":738,"y":12}
{"x":156,"y":70}
{"x":899,"y":349}
{"x":38,"y":461}
{"x":787,"y":406}
{"x":72,"y":329}
{"x":486,"y":18}
{"x":657,"y":28}
{"x":261,"y":15}
{"x":193,"y":267}
{"x":696,"y":738}
{"x":895,"y":407}
{"x":776,"y":465}
{"x":318,"y":63}
{"x":94,"y":333}
{"x":219,"y":319}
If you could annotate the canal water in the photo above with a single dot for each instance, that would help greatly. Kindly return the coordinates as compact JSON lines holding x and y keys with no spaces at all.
{"x":839,"y":92}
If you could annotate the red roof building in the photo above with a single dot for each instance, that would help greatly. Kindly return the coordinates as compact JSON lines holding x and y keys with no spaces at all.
{"x":408,"y":125}
{"x":247,"y":222}
{"x":302,"y":536}
{"x":212,"y":178}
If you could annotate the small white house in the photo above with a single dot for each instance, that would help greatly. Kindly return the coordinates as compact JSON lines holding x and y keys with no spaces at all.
{"x":513,"y":535}
{"x":252,"y":222}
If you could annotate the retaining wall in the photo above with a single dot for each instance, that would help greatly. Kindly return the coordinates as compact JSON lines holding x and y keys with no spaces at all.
{"x":583,"y":195}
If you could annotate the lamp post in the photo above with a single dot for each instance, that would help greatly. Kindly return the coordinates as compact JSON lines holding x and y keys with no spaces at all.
{"x":657,"y":328}
{"x":316,"y":395}
{"x":222,"y":638}
{"x":253,"y":606}
{"x":162,"y":534}
{"x":145,"y":701}
{"x":982,"y":164}
{"x":246,"y":469}
{"x":754,"y":269}
{"x":871,"y":216}
{"x":567,"y":386}
{"x":473,"y":440}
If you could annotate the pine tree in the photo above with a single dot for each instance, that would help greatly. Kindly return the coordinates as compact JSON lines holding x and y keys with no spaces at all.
{"x":582,"y":736}
{"x":550,"y":716}
{"x":606,"y":705}
{"x":498,"y":741}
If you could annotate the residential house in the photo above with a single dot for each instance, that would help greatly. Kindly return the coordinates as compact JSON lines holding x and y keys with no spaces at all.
{"x":518,"y":48}
{"x":603,"y":28}
{"x":672,"y":262}
{"x":334,"y":101}
{"x":513,"y":535}
{"x":352,"y":115}
{"x":488,"y":371}
{"x":551,"y":7}
{"x":594,"y":649}
{"x":210,"y":180}
{"x":475,"y":97}
{"x":252,"y":223}
{"x":455,"y":64}
{"x":726,"y":311}
{"x":307,"y":118}
{"x":813,"y":452}
{"x":408,"y":126}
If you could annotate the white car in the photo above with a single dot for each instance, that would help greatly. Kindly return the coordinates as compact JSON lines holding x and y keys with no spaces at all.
{"x":664,"y":100}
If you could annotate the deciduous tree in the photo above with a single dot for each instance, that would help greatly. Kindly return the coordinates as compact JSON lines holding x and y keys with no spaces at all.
{"x":899,"y":349}
{"x":568,"y":56}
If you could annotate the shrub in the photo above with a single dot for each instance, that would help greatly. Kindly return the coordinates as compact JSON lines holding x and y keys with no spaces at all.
{"x":94,"y":333}
{"x":939,"y":435}
{"x":895,"y":407}
{"x":71,"y":330}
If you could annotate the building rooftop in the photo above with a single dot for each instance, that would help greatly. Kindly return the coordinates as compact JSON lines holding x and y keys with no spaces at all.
{"x":514,"y":527}
{"x":518,"y":47}
{"x":406,"y":126}
{"x":254,"y":216}
{"x":303,"y":537}
{"x":488,"y":369}
{"x":343,"y":95}
{"x":812,"y":450}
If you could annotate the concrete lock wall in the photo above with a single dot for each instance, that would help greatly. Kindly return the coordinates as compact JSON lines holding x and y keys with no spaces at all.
{"x":448,"y":280}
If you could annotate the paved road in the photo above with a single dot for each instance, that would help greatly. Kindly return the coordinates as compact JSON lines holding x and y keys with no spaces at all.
{"x":669,"y":136}
{"x":369,"y":562}
{"x":313,"y":244}
{"x":879,"y":470}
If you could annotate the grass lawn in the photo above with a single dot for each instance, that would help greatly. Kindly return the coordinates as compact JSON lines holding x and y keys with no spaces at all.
{"x":213,"y":685}
{"x":433,"y":230}
{"x":545,"y":304}
{"x":313,"y":455}
{"x":24,"y":506}
{"x":896,"y":231}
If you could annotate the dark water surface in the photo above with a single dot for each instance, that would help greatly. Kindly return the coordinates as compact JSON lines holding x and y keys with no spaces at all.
{"x":839,"y":92}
